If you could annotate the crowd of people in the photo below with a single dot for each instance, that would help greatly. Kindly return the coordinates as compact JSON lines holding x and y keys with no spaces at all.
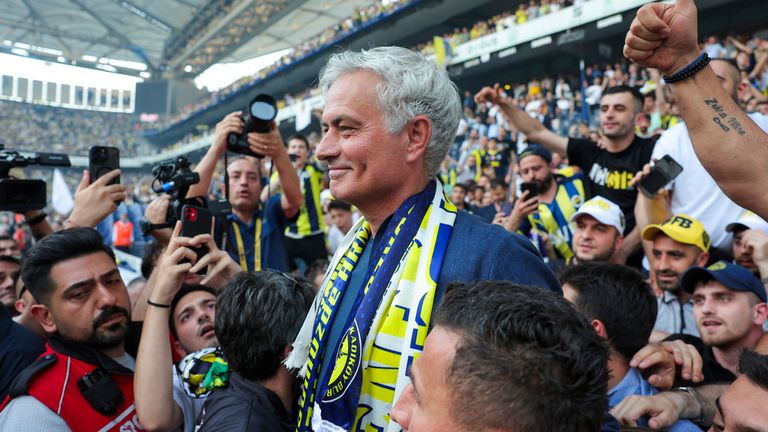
{"x":360,"y":18}
{"x":34,"y":127}
{"x":194,"y":30}
{"x":433,"y":261}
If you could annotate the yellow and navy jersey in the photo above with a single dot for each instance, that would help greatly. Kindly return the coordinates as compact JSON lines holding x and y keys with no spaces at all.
{"x":554,"y":218}
{"x":310,"y":218}
{"x":448,"y":178}
{"x":479,"y":156}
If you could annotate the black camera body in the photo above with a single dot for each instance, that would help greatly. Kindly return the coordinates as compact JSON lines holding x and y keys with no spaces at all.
{"x":261,"y":111}
{"x":23,"y":195}
{"x":175,"y":178}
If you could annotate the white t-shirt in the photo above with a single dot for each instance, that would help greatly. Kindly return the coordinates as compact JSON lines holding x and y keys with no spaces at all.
{"x":695,"y":192}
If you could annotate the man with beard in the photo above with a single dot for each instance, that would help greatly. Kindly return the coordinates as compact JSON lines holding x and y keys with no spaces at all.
{"x":551,"y":209}
{"x":678,"y":244}
{"x":730,"y":309}
{"x":459,"y":198}
{"x":750,"y":244}
{"x":608,"y":170}
{"x":84,"y":380}
{"x":597,"y":231}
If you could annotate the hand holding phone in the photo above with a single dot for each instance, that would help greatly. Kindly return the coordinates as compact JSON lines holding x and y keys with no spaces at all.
{"x":102,"y":160}
{"x":531,"y":187}
{"x":663,"y":171}
{"x":195,"y":221}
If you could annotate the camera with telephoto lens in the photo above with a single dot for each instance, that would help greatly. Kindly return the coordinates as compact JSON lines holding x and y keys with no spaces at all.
{"x":175,"y":178}
{"x":258,"y":118}
{"x":18,"y":195}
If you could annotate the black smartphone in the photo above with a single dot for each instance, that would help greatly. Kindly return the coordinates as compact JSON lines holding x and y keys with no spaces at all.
{"x":102,"y":160}
{"x":531,"y":187}
{"x":194,"y":221}
{"x":664,"y":171}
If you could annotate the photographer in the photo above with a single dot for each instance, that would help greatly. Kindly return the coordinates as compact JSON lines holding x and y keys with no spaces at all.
{"x":254,"y":233}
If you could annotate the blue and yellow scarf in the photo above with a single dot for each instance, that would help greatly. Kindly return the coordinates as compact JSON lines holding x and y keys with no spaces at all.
{"x":389,"y":320}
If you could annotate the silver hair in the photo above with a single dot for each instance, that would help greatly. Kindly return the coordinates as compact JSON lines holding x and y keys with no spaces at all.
{"x":410,"y":85}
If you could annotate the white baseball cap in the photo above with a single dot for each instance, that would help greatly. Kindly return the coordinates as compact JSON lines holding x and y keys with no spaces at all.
{"x":748,"y":220}
{"x":605,"y":211}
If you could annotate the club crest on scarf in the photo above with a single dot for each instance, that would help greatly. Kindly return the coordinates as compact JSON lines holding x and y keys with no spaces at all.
{"x":347,"y":365}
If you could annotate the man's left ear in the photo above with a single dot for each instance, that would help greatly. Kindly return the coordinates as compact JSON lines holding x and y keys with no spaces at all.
{"x":419,"y":134}
{"x":761,"y":313}
{"x":599,"y":328}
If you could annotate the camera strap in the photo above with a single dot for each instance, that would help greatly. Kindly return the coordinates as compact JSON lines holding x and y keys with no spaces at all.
{"x":256,"y":246}
{"x":236,"y":228}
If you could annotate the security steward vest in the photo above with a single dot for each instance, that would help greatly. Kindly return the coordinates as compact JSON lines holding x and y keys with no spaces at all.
{"x":67,"y":376}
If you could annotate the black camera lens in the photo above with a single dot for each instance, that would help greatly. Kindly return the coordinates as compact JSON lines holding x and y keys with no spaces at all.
{"x":263,"y":111}
{"x":100,"y":156}
{"x":263,"y":108}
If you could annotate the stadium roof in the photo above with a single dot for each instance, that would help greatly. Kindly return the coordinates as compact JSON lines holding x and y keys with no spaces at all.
{"x":182,"y":37}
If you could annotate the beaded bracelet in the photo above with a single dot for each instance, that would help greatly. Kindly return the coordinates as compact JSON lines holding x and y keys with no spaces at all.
{"x":689,"y":70}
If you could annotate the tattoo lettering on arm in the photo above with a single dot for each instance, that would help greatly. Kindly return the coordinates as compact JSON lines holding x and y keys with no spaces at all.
{"x":722,"y":117}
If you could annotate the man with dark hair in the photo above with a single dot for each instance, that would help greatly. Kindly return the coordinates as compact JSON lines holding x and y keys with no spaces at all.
{"x":742,"y":406}
{"x":163,"y":398}
{"x":608,"y":170}
{"x":664,"y":36}
{"x":342,"y":220}
{"x":9,"y":270}
{"x":501,"y":206}
{"x":506,"y":357}
{"x":254,"y":233}
{"x":459,"y":197}
{"x":84,"y":380}
{"x":23,"y":305}
{"x":622,"y":309}
{"x":258,"y":316}
{"x":549,"y":210}
{"x":9,"y":247}
{"x":729,"y":305}
{"x":678,"y":244}
{"x":305,"y":237}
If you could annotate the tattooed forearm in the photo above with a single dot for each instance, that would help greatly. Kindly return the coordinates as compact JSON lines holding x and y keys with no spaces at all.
{"x":722,"y":119}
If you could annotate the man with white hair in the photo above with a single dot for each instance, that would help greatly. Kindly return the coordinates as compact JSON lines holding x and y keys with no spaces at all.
{"x":390,"y":117}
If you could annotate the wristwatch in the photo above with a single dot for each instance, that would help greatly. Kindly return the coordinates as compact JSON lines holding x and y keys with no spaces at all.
{"x":691,"y":391}
{"x":147,"y":227}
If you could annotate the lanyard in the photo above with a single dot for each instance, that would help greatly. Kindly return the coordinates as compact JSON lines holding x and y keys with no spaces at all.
{"x":256,"y":246}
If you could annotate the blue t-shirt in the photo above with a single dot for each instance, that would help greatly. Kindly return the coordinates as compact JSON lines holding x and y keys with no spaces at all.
{"x":633,"y":383}
{"x":273,"y":254}
{"x":477,"y":251}
{"x":19,"y":348}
